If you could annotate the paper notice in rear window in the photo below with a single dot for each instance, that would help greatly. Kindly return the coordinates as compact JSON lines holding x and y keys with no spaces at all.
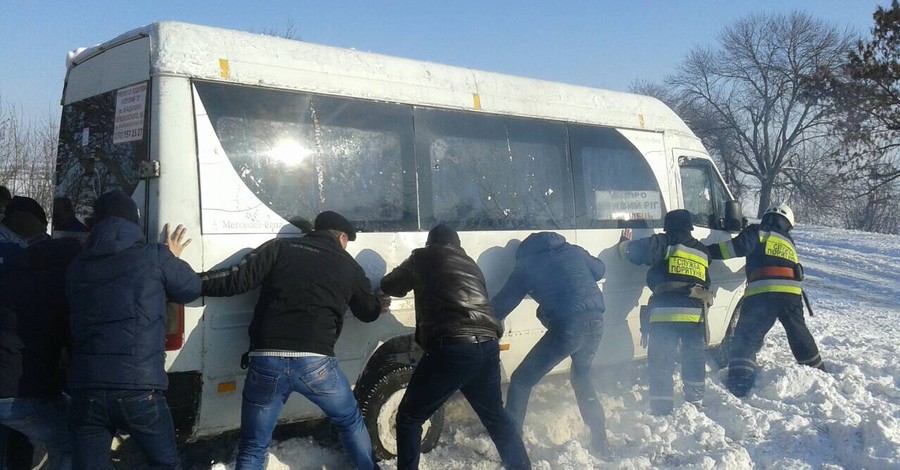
{"x":130,"y":104}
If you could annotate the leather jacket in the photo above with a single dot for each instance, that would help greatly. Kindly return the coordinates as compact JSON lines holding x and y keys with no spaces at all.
{"x":450,"y":294}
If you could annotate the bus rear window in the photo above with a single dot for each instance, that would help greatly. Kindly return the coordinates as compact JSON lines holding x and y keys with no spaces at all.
{"x":102,"y":142}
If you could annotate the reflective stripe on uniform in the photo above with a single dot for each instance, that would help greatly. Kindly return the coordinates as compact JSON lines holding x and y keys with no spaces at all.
{"x":738,"y":363}
{"x":813,"y":361}
{"x":727,"y":249}
{"x":779,"y":246}
{"x":786,"y":286}
{"x":687,"y":252}
{"x":687,"y":261}
{"x":676,"y":314}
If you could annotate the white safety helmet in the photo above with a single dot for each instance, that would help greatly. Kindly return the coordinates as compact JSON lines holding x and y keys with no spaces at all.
{"x":783,"y":210}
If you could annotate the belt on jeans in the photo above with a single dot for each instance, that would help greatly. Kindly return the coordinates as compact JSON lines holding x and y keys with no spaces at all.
{"x":464,"y":339}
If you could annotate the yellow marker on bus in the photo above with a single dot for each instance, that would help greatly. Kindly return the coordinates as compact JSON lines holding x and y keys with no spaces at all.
{"x":224,"y":69}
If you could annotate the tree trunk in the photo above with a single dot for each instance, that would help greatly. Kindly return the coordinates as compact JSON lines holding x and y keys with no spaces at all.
{"x":765,"y":197}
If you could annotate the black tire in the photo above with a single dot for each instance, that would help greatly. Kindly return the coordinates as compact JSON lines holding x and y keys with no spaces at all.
{"x":379,"y":393}
{"x":719,"y":354}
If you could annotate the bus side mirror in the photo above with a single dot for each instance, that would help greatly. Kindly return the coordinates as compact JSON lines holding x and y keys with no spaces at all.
{"x":734,"y":219}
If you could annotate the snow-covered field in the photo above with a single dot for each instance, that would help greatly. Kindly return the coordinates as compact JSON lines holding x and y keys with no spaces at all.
{"x":795,"y":418}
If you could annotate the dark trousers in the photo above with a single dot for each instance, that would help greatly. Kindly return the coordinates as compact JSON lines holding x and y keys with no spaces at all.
{"x":473,"y":369}
{"x":758,"y":315}
{"x":143,"y":414}
{"x":665,"y":338}
{"x":578,"y":339}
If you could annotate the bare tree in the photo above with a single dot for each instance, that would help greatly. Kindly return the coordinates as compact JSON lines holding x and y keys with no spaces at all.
{"x":747,"y":101}
{"x":27,"y":154}
{"x":290,"y":31}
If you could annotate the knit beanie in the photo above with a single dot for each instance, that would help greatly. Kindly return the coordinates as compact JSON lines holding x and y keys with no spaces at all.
{"x":116,"y":204}
{"x":26,"y":204}
{"x":442,"y":235}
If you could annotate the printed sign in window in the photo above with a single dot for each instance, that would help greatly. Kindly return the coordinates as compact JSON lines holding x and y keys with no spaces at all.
{"x":130,"y":104}
{"x":627,"y":205}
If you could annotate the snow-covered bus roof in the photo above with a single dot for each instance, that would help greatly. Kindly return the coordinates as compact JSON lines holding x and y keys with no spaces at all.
{"x":207,"y":53}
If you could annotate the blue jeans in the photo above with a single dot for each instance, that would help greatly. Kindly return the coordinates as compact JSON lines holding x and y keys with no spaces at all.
{"x":42,"y":421}
{"x":271,"y":380}
{"x":664,"y":340}
{"x":473,"y":369}
{"x":578,"y":338}
{"x":144,"y":414}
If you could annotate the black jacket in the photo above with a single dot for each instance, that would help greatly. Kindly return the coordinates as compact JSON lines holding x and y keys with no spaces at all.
{"x":677,"y":261}
{"x":672,"y":257}
{"x":451,"y":297}
{"x":33,"y":315}
{"x":559,"y":276}
{"x":772,"y":261}
{"x":307,"y":284}
{"x":117,"y":289}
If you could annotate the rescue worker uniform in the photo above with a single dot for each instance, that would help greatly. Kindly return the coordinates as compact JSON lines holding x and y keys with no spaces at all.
{"x":675,"y":314}
{"x":774,"y":291}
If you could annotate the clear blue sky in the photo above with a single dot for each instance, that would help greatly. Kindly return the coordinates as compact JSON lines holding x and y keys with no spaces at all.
{"x":598,"y":43}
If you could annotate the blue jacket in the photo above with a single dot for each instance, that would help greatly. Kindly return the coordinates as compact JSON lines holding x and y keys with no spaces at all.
{"x":559,"y":276}
{"x":33,"y":316}
{"x":117,"y":289}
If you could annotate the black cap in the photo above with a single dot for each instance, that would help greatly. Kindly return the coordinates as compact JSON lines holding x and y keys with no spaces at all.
{"x":116,"y":204}
{"x":678,"y":220}
{"x":329,"y":220}
{"x":442,"y":235}
{"x":301,"y":223}
{"x":27,"y":205}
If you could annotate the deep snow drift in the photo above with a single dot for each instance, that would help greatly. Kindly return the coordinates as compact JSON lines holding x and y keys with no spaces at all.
{"x":795,"y":418}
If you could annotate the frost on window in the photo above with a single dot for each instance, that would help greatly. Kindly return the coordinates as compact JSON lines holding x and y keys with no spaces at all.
{"x":618,"y":188}
{"x":704,"y":193}
{"x":491,"y":172}
{"x":302,"y":154}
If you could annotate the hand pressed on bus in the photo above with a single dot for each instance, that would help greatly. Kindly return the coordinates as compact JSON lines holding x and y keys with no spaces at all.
{"x":175,"y":241}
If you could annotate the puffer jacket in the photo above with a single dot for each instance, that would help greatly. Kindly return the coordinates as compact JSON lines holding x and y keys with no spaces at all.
{"x":450,"y":293}
{"x":117,"y":289}
{"x":33,"y":315}
{"x":559,"y":276}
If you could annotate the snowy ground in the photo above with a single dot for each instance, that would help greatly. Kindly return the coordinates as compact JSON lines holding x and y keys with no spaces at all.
{"x":795,"y":418}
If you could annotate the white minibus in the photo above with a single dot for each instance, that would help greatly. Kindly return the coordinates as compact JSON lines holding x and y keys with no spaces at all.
{"x":235,"y":134}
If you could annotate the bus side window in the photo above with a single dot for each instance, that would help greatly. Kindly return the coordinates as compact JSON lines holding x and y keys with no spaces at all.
{"x":703,"y":192}
{"x":484,"y":172}
{"x":614,"y":184}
